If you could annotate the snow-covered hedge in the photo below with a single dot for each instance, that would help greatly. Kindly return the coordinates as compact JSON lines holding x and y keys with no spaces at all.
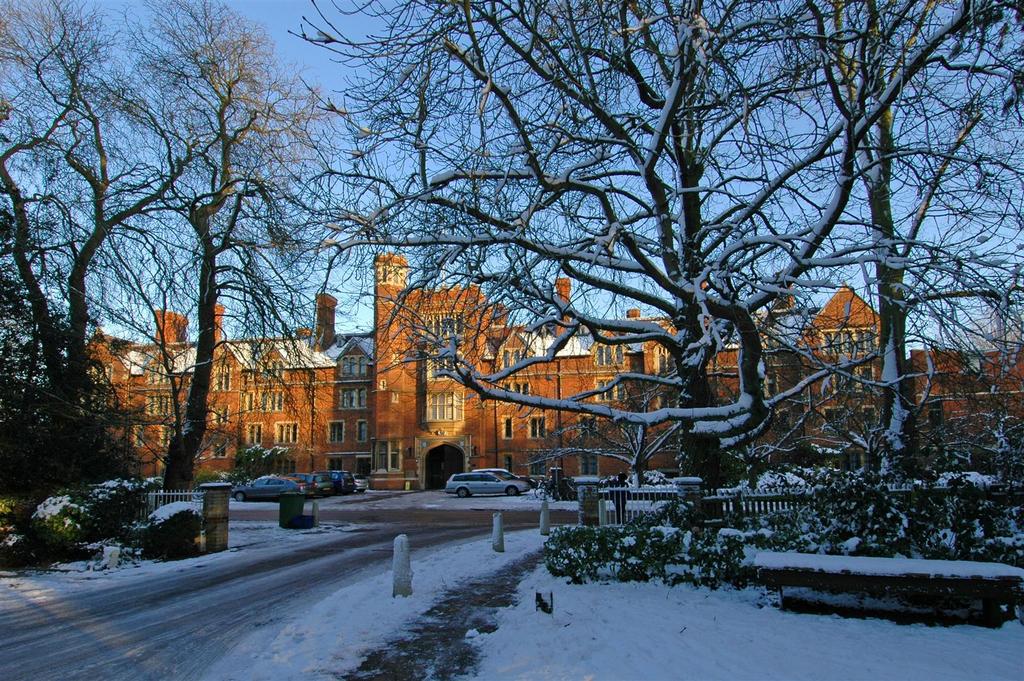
{"x":639,"y":553}
{"x":67,"y":525}
{"x":856,"y":515}
{"x":171,"y":531}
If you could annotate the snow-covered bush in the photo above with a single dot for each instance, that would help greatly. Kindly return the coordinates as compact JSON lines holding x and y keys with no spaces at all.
{"x":171,"y":531}
{"x":63,"y":526}
{"x":57,"y":525}
{"x":15,"y":551}
{"x":579,"y":552}
{"x":862,"y":507}
{"x":656,"y":478}
{"x":638,"y":553}
{"x":856,"y":515}
{"x":113,"y":507}
{"x":204,"y":476}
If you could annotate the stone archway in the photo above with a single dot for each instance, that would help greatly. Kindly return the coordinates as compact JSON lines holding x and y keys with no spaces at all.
{"x":440,"y":463}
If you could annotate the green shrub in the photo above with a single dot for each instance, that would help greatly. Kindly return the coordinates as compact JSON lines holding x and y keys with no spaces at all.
{"x":204,"y":476}
{"x":170,"y":532}
{"x":578,"y":552}
{"x":638,"y":553}
{"x":63,"y":527}
{"x":863,"y":517}
{"x":57,"y":526}
{"x":855,"y":515}
{"x":15,"y":550}
{"x":257,"y":461}
{"x":112,"y":508}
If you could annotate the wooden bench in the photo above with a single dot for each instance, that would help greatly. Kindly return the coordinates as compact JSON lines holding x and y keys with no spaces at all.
{"x":994,"y":583}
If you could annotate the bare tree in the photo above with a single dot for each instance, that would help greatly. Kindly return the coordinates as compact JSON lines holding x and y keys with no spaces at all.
{"x":941,"y":182}
{"x":80,"y":161}
{"x":696,"y":161}
{"x":634,"y":444}
{"x":249,"y":119}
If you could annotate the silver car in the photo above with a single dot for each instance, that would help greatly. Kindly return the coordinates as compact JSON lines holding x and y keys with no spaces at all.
{"x":466,"y":484}
{"x":267,"y":487}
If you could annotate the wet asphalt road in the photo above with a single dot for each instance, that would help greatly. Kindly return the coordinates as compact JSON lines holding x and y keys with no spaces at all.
{"x":173,"y":625}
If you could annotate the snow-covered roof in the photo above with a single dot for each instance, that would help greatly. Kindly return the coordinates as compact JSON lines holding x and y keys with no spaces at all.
{"x":538,"y":343}
{"x":345,"y":344}
{"x":295,"y":354}
{"x":180,"y":358}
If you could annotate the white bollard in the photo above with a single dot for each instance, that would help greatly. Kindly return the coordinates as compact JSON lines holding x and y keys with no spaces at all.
{"x":545,"y":518}
{"x":316,"y":514}
{"x":497,"y":535}
{"x":401,"y":568}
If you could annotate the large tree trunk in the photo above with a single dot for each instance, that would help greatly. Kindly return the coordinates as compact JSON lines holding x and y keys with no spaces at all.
{"x":183,"y":451}
{"x":898,"y":405}
{"x":703,"y":452}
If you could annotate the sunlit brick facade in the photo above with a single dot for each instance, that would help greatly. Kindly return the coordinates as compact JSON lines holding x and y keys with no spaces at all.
{"x":370,"y":403}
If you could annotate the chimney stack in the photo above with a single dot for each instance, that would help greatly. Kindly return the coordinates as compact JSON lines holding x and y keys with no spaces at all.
{"x":171,"y":327}
{"x":218,"y":323}
{"x":563,"y":286}
{"x":391,"y":269}
{"x":633,"y":313}
{"x":325,"y":307}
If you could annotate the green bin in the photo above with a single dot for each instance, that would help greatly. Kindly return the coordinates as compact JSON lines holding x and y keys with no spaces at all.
{"x":291,"y":507}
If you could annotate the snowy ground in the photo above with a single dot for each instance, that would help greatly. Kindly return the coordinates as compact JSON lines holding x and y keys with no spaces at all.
{"x":621,"y":631}
{"x":244,"y":537}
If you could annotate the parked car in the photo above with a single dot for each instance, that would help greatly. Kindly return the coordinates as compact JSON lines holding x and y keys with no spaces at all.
{"x":466,"y":484}
{"x":317,"y":484}
{"x":343,"y":481}
{"x":269,"y":487}
{"x":507,"y":474}
{"x":362,"y":483}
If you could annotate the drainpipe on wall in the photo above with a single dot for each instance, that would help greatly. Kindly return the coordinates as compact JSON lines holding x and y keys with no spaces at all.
{"x":495,"y":413}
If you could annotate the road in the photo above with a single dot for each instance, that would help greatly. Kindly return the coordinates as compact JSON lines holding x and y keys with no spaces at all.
{"x":175,"y":624}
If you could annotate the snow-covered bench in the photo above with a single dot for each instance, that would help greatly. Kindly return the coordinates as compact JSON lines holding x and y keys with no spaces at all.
{"x":994,"y":583}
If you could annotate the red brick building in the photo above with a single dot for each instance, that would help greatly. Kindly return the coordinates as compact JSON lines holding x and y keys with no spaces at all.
{"x":371,"y":403}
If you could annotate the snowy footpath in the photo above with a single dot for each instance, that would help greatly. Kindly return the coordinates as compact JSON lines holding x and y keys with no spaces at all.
{"x":607,"y":631}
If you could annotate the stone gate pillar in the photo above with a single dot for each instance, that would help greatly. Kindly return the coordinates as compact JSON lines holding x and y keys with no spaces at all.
{"x":215,"y":515}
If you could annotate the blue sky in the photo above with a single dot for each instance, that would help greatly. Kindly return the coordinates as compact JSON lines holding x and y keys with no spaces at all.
{"x":279,"y":17}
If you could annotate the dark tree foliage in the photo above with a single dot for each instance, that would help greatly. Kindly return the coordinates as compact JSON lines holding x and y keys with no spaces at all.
{"x":45,"y":441}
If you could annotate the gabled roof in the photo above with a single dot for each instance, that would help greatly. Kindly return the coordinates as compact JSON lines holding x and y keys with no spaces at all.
{"x":845,"y":310}
{"x":346,"y":344}
{"x":537,"y":343}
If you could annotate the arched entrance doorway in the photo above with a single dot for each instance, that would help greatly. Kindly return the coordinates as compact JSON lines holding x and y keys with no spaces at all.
{"x":441,"y":463}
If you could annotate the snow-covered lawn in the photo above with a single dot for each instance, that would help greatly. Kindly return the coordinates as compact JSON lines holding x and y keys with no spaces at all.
{"x":328,"y":640}
{"x":621,"y":631}
{"x":649,"y":631}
